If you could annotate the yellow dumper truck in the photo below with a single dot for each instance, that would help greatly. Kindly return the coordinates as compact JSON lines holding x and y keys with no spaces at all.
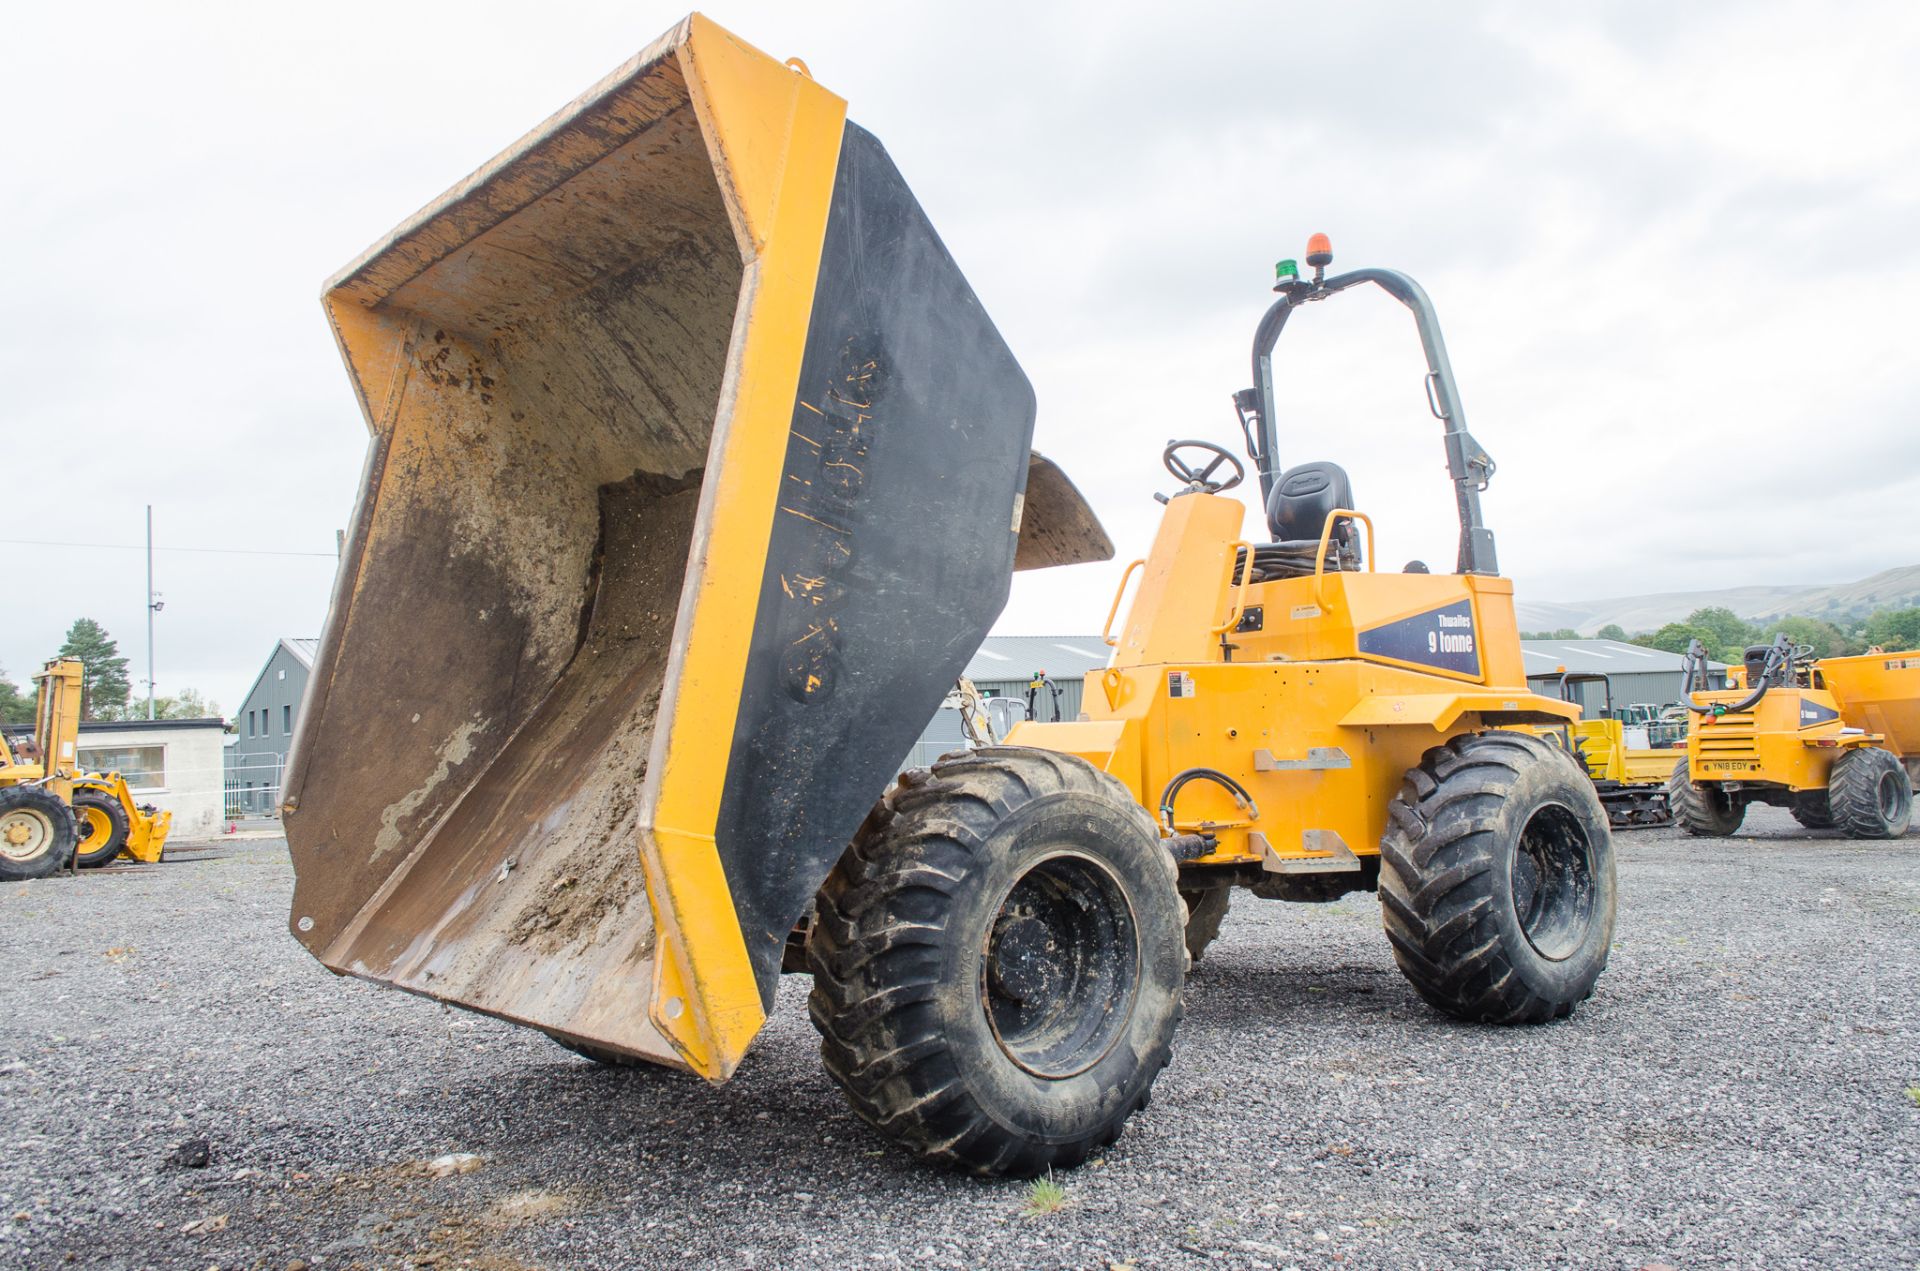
{"x":697,"y":474}
{"x":1836,"y":742}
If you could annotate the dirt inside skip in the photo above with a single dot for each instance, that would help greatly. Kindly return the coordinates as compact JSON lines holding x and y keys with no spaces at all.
{"x":528,"y":900}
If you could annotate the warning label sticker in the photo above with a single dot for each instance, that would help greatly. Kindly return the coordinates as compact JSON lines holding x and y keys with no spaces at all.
{"x":1179,"y":684}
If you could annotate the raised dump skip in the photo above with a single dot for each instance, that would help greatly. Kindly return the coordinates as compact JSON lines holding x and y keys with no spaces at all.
{"x":697,"y":474}
{"x":1879,"y":692}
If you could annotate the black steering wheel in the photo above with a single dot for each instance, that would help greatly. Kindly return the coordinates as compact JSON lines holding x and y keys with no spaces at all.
{"x":1201,"y":479}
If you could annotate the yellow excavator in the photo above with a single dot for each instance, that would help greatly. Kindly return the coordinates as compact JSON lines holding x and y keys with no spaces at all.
{"x":52,"y":811}
{"x":696,"y":475}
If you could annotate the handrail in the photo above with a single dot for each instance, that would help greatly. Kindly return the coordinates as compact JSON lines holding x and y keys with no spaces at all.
{"x":1326,"y":540}
{"x":1242,"y":552}
{"x":1106,"y":632}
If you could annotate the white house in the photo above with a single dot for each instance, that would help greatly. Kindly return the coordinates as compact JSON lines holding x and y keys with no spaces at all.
{"x":175,"y":764}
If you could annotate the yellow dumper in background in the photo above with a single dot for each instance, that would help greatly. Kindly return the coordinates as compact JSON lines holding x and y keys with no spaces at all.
{"x":53,"y":812}
{"x":1836,"y":742}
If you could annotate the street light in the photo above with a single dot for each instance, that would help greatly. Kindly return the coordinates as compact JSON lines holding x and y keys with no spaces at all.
{"x":154,"y":605}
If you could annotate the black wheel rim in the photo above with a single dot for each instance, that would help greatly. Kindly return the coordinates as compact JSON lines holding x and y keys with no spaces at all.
{"x":1890,"y":796}
{"x":1553,"y":891}
{"x":1059,"y":966}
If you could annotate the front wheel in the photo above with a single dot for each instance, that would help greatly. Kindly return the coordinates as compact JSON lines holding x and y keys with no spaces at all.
{"x":1870,"y":794}
{"x":103,"y":826}
{"x":37,"y":833}
{"x":1704,"y":811}
{"x":1811,"y":809}
{"x":1496,"y":879}
{"x":998,"y":961}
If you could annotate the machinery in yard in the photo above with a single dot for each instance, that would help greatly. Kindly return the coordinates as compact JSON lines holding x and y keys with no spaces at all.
{"x":1836,"y":742}
{"x":1631,"y":780}
{"x":697,"y":475}
{"x":1305,"y":727}
{"x":52,"y":811}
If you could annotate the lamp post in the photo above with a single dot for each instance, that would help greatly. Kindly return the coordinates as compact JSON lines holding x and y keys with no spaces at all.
{"x":154,"y":605}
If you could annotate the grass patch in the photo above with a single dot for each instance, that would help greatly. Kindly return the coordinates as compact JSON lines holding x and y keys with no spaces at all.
{"x":1913,"y":1093}
{"x":1045,"y":1196}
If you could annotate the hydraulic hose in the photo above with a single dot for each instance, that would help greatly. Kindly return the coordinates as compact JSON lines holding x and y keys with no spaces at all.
{"x":1694,"y":666}
{"x":1238,"y":791}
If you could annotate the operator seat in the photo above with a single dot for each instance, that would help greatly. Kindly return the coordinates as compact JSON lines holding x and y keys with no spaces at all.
{"x":1297,"y":513}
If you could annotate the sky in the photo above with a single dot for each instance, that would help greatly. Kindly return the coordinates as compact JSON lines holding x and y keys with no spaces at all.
{"x":1672,"y":248}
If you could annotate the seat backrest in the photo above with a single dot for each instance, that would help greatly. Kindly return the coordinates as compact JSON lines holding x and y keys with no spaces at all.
{"x":1302,"y":498}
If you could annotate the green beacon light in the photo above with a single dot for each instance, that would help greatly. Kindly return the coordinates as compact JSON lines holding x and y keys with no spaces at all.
{"x":1286,"y":271}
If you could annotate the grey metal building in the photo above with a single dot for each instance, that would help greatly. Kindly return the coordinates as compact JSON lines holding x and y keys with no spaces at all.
{"x":263,"y":729}
{"x":1637,"y":675}
{"x":1004,"y":668}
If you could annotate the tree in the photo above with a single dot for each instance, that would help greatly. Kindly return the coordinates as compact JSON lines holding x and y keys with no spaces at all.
{"x":1828,"y":641}
{"x":1893,"y":629}
{"x":1612,"y":631}
{"x":16,"y":706}
{"x":1676,"y":636}
{"x":103,"y":693}
{"x":1731,"y":633}
{"x":190,"y":704}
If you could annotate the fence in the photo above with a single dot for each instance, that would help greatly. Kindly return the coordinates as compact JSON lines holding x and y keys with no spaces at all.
{"x":253,"y":790}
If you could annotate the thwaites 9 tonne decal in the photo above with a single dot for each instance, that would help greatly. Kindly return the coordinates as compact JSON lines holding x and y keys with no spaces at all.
{"x":1443,"y":638}
{"x":1812,"y":713}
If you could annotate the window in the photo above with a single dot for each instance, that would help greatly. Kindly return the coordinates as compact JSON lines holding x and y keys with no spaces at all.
{"x":144,"y":767}
{"x":250,"y":731}
{"x":286,"y":720}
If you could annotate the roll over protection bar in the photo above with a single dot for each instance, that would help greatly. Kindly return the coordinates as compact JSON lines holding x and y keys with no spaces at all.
{"x":1468,"y":463}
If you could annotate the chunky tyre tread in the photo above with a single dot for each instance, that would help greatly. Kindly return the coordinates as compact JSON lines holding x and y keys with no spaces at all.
{"x":1853,"y":794}
{"x":1700,"y":812}
{"x":1438,"y":848}
{"x":875,"y":955}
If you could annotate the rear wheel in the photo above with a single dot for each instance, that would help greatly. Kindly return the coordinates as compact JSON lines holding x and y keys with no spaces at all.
{"x":37,"y":832}
{"x":1496,"y":879}
{"x":103,"y":827}
{"x":998,"y":961}
{"x":1811,"y":809}
{"x":1703,"y":811}
{"x":1206,"y":910}
{"x":1869,"y":794}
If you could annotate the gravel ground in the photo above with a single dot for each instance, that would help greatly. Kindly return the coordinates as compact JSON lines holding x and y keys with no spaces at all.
{"x":1744,"y":1091}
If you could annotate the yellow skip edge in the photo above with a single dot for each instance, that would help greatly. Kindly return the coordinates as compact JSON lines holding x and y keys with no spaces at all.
{"x":778,"y":184}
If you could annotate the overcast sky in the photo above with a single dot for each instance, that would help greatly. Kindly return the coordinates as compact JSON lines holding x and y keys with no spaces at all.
{"x":1673,"y":247}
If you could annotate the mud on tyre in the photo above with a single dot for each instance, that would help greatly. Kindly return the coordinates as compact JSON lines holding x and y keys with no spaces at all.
{"x":998,"y":961}
{"x":1496,"y":879}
